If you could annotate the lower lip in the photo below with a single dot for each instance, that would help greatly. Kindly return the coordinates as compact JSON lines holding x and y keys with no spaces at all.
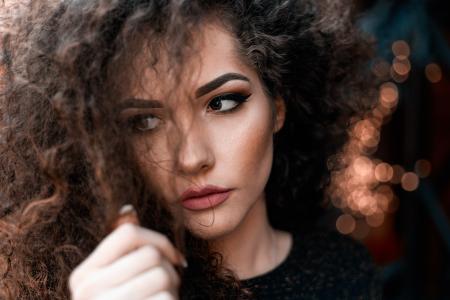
{"x":205,"y":202}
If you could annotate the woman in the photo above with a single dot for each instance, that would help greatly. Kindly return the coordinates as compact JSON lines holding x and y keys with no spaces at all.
{"x":214,"y":119}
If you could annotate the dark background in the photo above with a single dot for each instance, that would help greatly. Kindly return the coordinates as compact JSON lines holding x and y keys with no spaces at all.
{"x":412,"y":243}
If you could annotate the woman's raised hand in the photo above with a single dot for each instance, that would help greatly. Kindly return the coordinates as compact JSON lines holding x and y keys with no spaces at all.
{"x":131,"y":263}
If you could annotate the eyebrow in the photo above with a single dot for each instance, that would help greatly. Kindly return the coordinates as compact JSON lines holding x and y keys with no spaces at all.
{"x":139,"y":103}
{"x":203,"y":90}
{"x":219,"y":81}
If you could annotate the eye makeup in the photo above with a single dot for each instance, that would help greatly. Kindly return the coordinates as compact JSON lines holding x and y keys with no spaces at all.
{"x":231,"y":101}
{"x":222,"y":104}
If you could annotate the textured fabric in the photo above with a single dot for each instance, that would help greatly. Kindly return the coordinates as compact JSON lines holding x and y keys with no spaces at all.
{"x":320,"y":265}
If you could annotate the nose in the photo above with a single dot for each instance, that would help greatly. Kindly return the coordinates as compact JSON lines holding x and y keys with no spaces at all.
{"x":195,"y":155}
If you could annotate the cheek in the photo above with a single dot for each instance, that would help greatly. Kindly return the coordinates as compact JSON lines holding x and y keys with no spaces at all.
{"x":156,"y":164}
{"x":246,"y":147}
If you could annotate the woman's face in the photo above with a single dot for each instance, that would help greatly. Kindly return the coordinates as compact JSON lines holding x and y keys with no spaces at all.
{"x":215,"y":128}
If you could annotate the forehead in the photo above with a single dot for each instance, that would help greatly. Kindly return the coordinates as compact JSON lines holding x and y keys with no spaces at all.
{"x":215,"y":52}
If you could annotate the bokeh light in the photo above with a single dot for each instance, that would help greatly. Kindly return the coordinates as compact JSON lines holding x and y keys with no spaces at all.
{"x":433,"y":73}
{"x":401,"y":49}
{"x":399,"y":78}
{"x":422,"y":168}
{"x":410,"y":181}
{"x":401,"y":66}
{"x":383,"y":172}
{"x":361,"y":230}
{"x":388,"y":94}
{"x":397,"y":174}
{"x":345,"y":224}
{"x":361,"y":185}
{"x":375,"y":220}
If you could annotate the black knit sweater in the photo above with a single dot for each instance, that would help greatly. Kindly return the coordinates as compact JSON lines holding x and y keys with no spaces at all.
{"x":320,"y":265}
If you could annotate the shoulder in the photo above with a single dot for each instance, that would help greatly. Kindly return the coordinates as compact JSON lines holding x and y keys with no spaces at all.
{"x":338,"y":265}
{"x":321,"y":265}
{"x":329,"y":245}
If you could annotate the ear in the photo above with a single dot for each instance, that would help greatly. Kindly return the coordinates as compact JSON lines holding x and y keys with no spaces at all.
{"x":279,"y":113}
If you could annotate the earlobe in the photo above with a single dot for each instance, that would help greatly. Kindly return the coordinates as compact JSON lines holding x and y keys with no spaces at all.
{"x":280,"y":114}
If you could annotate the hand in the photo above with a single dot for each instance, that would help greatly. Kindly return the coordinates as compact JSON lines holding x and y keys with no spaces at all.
{"x":131,"y":263}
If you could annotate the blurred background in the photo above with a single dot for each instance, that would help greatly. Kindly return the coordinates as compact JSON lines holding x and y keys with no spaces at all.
{"x":394,"y":193}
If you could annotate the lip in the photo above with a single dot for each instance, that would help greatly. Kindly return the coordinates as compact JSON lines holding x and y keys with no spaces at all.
{"x":205,"y":197}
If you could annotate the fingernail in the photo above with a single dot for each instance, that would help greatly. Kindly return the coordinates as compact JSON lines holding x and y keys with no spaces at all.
{"x":127,"y":214}
{"x":127,"y":208}
{"x":184,"y":263}
{"x":183,"y":260}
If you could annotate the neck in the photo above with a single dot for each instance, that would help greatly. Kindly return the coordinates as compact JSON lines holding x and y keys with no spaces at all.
{"x":255,"y":247}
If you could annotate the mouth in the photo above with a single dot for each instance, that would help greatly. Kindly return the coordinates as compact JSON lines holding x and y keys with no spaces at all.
{"x":204,"y":198}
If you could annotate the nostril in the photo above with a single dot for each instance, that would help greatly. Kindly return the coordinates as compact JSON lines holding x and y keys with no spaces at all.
{"x":195,"y":167}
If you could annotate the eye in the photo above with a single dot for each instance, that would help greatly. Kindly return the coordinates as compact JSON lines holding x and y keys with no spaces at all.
{"x":227,"y":102}
{"x":143,"y":122}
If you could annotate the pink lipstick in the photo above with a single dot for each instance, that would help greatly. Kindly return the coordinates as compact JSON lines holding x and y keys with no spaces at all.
{"x":204,"y":197}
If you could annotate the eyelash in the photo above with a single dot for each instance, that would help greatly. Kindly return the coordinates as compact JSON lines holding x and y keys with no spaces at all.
{"x":133,"y":121}
{"x":236,"y":97}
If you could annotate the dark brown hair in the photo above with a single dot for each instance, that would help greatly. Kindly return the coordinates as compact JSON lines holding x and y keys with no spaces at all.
{"x":66,"y":166}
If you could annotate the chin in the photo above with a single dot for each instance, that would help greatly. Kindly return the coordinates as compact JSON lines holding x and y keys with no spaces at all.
{"x":211,"y":226}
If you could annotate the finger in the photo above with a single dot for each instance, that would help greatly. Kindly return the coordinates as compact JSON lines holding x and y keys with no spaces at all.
{"x":126,"y":238}
{"x":123,"y":270}
{"x":142,"y":286}
{"x":127,"y":214}
{"x":175,"y":278}
{"x":135,"y":263}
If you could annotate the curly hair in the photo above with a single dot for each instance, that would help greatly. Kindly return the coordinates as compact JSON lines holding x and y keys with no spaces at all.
{"x":66,"y":166}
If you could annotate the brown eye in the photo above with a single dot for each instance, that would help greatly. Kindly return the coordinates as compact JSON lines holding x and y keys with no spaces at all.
{"x":227,"y":102}
{"x":216,"y":104}
{"x":144,"y":122}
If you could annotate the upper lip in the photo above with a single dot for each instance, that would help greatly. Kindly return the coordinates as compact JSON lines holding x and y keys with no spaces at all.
{"x":202,"y":191}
